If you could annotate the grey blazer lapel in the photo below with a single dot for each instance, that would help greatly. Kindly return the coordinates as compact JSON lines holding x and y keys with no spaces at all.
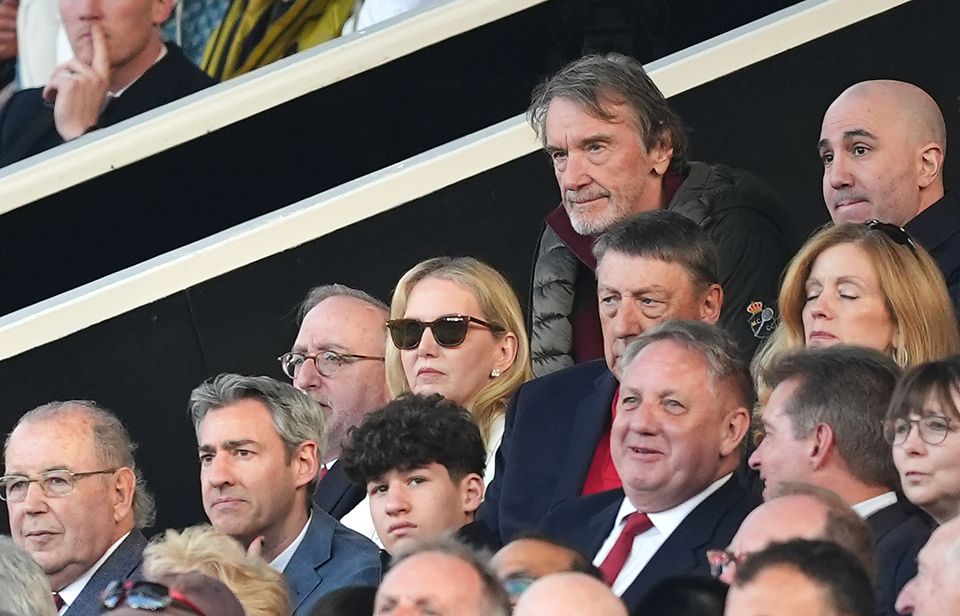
{"x":301,"y":572}
{"x":124,"y":563}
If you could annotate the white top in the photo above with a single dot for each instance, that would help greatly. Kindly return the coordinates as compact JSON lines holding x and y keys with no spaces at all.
{"x":870,"y":506}
{"x":646,"y":544}
{"x":283,"y":558}
{"x":371,"y":12}
{"x":360,"y":519}
{"x":71,"y":591}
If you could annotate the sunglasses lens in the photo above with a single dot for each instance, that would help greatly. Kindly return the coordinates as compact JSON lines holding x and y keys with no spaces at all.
{"x":406,"y":333}
{"x":450,"y":331}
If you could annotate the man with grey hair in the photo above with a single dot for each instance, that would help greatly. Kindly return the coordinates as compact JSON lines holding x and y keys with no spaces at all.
{"x":823,"y":425}
{"x":441,"y":576}
{"x":24,"y":589}
{"x":81,"y":520}
{"x":617,"y":150}
{"x":259,"y":444}
{"x":337,"y":359}
{"x":653,"y":267}
{"x":677,"y":439}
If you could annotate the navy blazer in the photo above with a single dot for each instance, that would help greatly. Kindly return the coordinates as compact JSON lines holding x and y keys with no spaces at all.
{"x":336,"y":494}
{"x":27,"y":126}
{"x":937,"y":229}
{"x":552,"y":428}
{"x":899,"y":532}
{"x":586,"y":522}
{"x":124,"y":563}
{"x":331,"y":556}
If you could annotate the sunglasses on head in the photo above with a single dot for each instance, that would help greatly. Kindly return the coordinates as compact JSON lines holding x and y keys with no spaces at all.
{"x":449,"y":330}
{"x":141,"y":595}
{"x":899,"y":235}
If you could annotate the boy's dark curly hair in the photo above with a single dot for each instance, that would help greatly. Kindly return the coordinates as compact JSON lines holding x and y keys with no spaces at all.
{"x":412,"y":431}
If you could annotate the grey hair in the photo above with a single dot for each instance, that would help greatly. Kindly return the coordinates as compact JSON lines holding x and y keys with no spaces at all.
{"x":296,"y":416}
{"x":497,"y":602}
{"x":595,"y":82}
{"x":26,"y":589}
{"x":321,"y":293}
{"x":712,"y":343}
{"x":112,"y":444}
{"x":665,"y":236}
{"x":847,"y":388}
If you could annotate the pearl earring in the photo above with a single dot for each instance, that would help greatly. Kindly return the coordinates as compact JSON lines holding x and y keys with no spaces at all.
{"x":495,"y":373}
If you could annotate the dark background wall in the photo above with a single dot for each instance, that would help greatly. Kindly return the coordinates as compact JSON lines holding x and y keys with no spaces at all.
{"x":144,"y":363}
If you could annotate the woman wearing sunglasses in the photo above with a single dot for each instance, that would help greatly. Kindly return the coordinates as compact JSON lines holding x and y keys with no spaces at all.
{"x":864,"y":284}
{"x":457,"y":330}
{"x":922,"y":424}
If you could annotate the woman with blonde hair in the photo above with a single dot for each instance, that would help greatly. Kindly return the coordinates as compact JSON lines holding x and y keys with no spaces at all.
{"x":866,"y":284}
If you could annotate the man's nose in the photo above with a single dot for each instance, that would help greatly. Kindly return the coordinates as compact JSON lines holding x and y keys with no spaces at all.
{"x":396,"y":500}
{"x":839,"y":172}
{"x":628,"y":321}
{"x":35,"y":501}
{"x":574,"y":175}
{"x":218,"y":471}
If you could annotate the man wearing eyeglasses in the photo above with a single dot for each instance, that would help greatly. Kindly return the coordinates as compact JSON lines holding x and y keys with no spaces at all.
{"x":76,"y":500}
{"x":823,"y":426}
{"x":882,"y":144}
{"x":337,"y":359}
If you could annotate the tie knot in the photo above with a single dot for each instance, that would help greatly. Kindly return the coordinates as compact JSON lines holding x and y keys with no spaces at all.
{"x":636,"y":523}
{"x":58,"y":601}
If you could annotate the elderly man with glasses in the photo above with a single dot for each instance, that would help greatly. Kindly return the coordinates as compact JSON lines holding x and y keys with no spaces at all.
{"x":76,"y":500}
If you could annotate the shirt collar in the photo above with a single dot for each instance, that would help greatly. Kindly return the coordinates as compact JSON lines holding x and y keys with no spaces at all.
{"x":118,"y":93}
{"x":71,"y":591}
{"x":668,"y":520}
{"x":870,"y":506}
{"x":283,"y":558}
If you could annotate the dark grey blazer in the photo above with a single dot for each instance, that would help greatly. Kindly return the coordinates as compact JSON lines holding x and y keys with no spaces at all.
{"x":123,"y":564}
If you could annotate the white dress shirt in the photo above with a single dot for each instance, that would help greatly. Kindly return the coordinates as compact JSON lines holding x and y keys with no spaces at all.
{"x":283,"y":558}
{"x":71,"y":591}
{"x":646,"y":544}
{"x":870,"y":506}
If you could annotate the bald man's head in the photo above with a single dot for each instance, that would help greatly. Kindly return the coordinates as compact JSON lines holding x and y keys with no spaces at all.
{"x":882,"y":144}
{"x":569,"y":594}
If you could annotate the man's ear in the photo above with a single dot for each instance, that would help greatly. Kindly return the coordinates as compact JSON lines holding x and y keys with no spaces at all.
{"x":712,"y":304}
{"x":162,"y":9}
{"x":734,"y":429}
{"x":471,"y":492}
{"x":822,"y":443}
{"x":660,"y":156}
{"x":122,"y":490}
{"x":304,"y":462}
{"x":930,"y":164}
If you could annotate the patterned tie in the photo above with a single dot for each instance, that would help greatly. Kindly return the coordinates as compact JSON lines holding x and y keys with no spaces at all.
{"x":58,"y":601}
{"x":322,"y":473}
{"x":612,"y":565}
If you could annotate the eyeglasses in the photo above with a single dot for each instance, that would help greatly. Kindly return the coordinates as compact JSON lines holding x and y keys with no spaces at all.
{"x":449,"y":330}
{"x":516,"y":585}
{"x":933,"y":429}
{"x":326,"y":362}
{"x":148,"y":596}
{"x":13,"y":488}
{"x":898,"y":234}
{"x":720,"y":561}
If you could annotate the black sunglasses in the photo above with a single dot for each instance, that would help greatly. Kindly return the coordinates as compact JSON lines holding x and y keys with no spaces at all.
{"x":449,"y":330}
{"x":141,"y":595}
{"x":898,"y":234}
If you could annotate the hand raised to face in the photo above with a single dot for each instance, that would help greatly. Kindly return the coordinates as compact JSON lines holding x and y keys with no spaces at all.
{"x":78,"y":91}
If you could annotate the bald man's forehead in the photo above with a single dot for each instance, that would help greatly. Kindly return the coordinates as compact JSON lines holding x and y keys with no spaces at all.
{"x":893,"y":107}
{"x":781,"y":519}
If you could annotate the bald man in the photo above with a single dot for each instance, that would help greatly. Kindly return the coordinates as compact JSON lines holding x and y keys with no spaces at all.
{"x":883,"y":144}
{"x":569,"y":594}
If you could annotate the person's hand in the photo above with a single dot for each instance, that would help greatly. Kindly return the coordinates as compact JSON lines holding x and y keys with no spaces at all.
{"x":256,"y":547}
{"x":78,"y":91}
{"x":8,"y":29}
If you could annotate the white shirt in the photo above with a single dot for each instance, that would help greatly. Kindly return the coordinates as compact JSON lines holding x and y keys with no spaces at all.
{"x":283,"y":558}
{"x":361,"y":520}
{"x":646,"y":544}
{"x":870,"y":506}
{"x":71,"y":591}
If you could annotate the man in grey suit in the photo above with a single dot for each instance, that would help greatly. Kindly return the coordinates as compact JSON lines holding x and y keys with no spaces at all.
{"x":259,"y":443}
{"x":81,"y":520}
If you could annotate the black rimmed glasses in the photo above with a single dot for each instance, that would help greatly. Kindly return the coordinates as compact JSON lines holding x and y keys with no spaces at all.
{"x":148,"y":596}
{"x":326,"y":362}
{"x":54,"y":484}
{"x":933,"y":429}
{"x":449,"y":330}
{"x":898,"y":234}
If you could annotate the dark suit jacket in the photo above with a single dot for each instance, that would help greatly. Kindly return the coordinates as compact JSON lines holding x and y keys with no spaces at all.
{"x":899,"y":531}
{"x":937,"y":229}
{"x":585,"y":523}
{"x":27,"y":126}
{"x":124,"y":563}
{"x":552,"y":427}
{"x":336,"y":494}
{"x":331,"y":556}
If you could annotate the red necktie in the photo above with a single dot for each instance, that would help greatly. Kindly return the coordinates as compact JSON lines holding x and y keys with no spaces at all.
{"x":323,"y":472}
{"x":58,"y":601}
{"x":636,"y":523}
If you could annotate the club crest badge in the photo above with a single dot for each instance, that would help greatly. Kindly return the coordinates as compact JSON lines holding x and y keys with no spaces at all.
{"x":762,"y":319}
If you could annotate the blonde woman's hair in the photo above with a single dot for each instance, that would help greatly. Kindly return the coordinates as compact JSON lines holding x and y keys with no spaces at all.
{"x":498,"y":304}
{"x":261,"y":590}
{"x":912,"y":285}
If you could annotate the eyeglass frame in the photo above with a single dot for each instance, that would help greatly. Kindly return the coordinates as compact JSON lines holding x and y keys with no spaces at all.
{"x":39,"y":479}
{"x":424,"y":325}
{"x":720,"y":560}
{"x":891,"y":436}
{"x":896,"y":234}
{"x":350,"y":358}
{"x":111,"y":599}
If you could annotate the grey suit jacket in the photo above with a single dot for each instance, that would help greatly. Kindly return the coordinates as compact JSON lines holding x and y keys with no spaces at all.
{"x":331,"y":556}
{"x":124,"y":563}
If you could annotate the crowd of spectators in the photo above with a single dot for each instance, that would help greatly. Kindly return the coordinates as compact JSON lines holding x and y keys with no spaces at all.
{"x":415,"y":465}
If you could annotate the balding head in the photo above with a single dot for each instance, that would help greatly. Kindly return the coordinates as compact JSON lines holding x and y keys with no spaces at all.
{"x":572,"y":594}
{"x":882,"y":144}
